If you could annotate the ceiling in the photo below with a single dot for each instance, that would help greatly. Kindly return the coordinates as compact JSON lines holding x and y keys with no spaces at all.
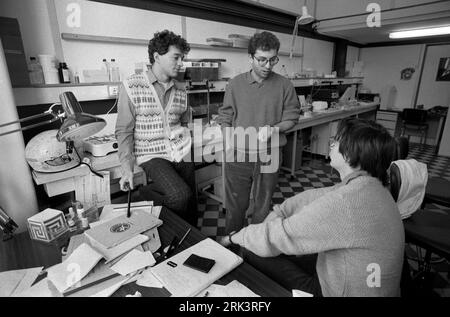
{"x":353,"y":26}
{"x":346,"y":19}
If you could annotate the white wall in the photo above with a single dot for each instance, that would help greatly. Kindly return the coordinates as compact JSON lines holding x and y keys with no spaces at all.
{"x":110,"y":20}
{"x":431,"y":92}
{"x":382,"y":68}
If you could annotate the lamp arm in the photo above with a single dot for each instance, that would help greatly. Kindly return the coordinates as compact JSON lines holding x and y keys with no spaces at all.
{"x":56,"y":118}
{"x":50,"y":111}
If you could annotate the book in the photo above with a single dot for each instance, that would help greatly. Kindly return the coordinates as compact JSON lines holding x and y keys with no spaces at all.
{"x":183,"y":281}
{"x":119,"y":229}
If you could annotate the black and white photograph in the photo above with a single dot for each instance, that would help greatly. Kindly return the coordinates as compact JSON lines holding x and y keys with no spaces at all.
{"x":443,"y":73}
{"x":250,"y":150}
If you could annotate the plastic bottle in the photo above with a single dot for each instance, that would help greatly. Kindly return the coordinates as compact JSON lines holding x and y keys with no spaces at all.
{"x":115,"y":72}
{"x":35,"y":72}
{"x":63,"y":71}
{"x":76,"y":77}
{"x":107,"y":68}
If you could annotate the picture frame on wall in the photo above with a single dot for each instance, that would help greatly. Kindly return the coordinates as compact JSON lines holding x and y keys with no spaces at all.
{"x":443,"y":73}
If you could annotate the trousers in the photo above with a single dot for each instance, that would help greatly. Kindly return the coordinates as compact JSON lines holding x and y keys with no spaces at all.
{"x":173,"y":186}
{"x":241,"y":180}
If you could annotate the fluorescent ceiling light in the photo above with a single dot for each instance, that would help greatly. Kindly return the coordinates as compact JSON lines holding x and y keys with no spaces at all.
{"x":442,"y":30}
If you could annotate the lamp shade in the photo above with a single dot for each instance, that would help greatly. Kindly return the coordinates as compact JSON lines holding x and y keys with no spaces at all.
{"x":305,"y":18}
{"x":77,"y":125}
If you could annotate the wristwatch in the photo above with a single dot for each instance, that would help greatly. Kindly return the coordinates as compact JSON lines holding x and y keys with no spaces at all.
{"x":230,"y":235}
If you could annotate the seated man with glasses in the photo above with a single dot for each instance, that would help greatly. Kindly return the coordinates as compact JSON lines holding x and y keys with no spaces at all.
{"x":354,"y":227}
{"x":263,"y":101}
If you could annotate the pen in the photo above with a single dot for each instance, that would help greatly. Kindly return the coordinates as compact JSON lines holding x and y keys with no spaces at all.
{"x":129,"y":203}
{"x":184,"y":237}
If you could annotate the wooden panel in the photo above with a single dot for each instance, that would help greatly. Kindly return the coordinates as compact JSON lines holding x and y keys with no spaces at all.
{"x":387,"y":124}
{"x":14,"y":52}
{"x":388,"y":116}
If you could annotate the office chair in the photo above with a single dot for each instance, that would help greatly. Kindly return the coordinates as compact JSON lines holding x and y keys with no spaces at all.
{"x":437,"y":192}
{"x":427,"y":230}
{"x":414,"y":121}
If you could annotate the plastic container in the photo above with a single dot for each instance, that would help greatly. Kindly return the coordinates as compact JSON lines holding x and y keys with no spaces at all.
{"x":115,"y":72}
{"x":51,"y":76}
{"x":106,"y":67}
{"x":47,"y":62}
{"x":35,"y":72}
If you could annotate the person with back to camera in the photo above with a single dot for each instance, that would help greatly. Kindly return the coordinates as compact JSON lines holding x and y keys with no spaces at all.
{"x":354,"y":226}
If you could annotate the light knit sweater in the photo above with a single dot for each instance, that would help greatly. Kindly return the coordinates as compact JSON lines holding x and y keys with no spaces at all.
{"x":157,"y":130}
{"x":350,"y":225}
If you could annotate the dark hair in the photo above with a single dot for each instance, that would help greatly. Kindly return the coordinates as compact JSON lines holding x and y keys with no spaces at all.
{"x":368,"y":145}
{"x":264,"y":41}
{"x":161,"y":42}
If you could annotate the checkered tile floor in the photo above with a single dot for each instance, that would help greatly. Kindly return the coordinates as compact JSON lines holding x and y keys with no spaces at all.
{"x":317,"y":173}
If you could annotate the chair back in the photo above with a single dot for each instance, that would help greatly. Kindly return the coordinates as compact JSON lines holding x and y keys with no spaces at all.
{"x":395,"y":181}
{"x":414,"y":116}
{"x":402,"y":147}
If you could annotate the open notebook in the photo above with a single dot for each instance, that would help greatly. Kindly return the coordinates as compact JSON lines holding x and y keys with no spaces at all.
{"x":182,"y":281}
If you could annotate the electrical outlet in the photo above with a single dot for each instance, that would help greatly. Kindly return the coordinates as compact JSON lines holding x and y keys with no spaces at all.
{"x":113,"y":90}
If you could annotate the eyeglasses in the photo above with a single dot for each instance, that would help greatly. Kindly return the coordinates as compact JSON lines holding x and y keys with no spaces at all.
{"x":262,"y":61}
{"x":333,"y":142}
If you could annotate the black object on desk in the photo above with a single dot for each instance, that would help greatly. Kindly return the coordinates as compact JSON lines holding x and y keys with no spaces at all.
{"x":129,"y":203}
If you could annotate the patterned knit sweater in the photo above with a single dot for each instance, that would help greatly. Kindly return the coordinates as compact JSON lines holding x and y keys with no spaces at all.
{"x":157,"y":132}
{"x":354,"y":226}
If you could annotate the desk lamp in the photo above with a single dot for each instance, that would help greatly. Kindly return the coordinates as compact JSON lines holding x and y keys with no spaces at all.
{"x":76,"y":125}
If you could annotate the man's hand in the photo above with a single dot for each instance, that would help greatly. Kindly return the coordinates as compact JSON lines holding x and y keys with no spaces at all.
{"x":265,"y":133}
{"x":126,"y":182}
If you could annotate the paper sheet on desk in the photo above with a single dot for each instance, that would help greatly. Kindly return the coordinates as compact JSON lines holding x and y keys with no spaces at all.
{"x":232,"y":289}
{"x":17,"y":281}
{"x":182,"y":281}
{"x":74,"y":268}
{"x":41,"y":289}
{"x":92,"y":190}
{"x":147,"y":279}
{"x":133,"y":261}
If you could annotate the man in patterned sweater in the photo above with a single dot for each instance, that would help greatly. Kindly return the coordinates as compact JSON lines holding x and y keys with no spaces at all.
{"x":151,"y":129}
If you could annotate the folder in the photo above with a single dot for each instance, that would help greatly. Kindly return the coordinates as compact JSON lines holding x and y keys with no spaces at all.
{"x":183,"y":281}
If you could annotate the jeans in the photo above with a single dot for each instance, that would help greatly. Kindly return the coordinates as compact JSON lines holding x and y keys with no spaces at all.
{"x":173,"y":186}
{"x":240,"y":179}
{"x":290,"y":271}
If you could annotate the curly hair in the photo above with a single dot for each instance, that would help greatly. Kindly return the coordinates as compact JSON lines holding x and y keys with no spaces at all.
{"x":264,"y":41}
{"x":161,"y":42}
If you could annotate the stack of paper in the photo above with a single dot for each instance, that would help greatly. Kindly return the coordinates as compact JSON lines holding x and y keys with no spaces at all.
{"x":119,"y":229}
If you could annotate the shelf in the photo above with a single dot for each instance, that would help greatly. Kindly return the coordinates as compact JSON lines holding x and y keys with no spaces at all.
{"x":235,"y":49}
{"x":132,"y":41}
{"x":305,"y":82}
{"x":46,"y":94}
{"x":113,"y":83}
